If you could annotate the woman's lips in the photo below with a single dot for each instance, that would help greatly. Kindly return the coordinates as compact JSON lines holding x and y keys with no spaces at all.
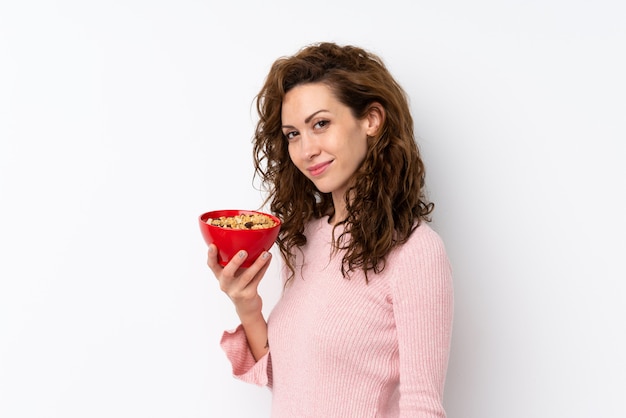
{"x":318,"y":169}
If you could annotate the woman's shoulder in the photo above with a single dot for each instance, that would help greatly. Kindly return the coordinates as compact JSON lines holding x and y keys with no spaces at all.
{"x":423,"y":244}
{"x":424,"y":235}
{"x":421,"y":260}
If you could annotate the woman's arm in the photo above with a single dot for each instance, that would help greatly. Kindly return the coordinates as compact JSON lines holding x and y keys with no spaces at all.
{"x":423,"y":309}
{"x":241,"y":286}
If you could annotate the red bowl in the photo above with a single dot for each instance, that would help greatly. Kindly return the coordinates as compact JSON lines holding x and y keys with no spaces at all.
{"x":230,"y":241}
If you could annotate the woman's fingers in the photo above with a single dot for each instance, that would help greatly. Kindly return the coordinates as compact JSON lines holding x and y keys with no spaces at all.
{"x":235,"y":263}
{"x":259,"y":267}
{"x":212,"y":261}
{"x":243,"y":291}
{"x":248,"y":276}
{"x":233,"y":278}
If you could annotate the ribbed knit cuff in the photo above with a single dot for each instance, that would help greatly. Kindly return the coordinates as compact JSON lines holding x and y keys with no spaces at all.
{"x":244,"y":366}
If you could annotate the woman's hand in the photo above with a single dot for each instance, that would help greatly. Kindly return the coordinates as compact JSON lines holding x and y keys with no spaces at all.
{"x":241,"y":286}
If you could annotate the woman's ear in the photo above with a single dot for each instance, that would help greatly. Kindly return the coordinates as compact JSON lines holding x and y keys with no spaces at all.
{"x":375,"y":118}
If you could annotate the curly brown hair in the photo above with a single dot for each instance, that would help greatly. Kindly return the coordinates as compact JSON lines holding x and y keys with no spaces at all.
{"x":386,"y":197}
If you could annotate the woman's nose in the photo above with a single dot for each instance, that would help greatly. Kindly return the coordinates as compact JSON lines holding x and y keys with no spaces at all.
{"x":310,"y":147}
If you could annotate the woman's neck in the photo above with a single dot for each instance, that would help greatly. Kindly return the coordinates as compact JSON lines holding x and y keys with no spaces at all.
{"x":340,"y":213}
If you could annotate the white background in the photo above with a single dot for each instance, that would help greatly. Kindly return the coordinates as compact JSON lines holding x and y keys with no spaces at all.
{"x":122,"y":121}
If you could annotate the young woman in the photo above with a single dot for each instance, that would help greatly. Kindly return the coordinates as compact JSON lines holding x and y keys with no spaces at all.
{"x":363,"y":326}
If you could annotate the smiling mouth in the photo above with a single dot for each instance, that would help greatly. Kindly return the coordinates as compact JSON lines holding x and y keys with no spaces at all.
{"x":318,"y":169}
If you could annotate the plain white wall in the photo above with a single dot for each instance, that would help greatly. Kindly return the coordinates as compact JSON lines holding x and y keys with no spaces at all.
{"x":122,"y":121}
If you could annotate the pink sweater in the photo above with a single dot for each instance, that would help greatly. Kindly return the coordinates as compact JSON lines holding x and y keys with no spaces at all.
{"x":343,"y":348}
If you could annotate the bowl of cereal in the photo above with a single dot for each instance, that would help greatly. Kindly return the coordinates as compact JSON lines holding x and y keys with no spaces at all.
{"x":232,"y":230}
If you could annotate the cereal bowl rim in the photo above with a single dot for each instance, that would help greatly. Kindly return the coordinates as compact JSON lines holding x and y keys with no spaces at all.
{"x":204,"y":217}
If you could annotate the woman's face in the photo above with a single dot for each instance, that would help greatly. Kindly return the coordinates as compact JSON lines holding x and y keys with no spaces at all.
{"x":326,"y":142}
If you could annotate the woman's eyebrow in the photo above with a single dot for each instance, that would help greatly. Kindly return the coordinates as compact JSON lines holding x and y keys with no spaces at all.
{"x":307,"y":120}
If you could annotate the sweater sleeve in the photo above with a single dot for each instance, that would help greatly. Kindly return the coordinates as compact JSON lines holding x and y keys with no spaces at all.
{"x":422,"y":296}
{"x":244,"y":366}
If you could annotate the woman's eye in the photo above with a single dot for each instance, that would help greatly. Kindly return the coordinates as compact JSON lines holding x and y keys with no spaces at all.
{"x":290,"y":135}
{"x":322,"y":124}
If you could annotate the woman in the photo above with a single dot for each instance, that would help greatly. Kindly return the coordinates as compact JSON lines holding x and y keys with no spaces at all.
{"x":363,"y":326}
